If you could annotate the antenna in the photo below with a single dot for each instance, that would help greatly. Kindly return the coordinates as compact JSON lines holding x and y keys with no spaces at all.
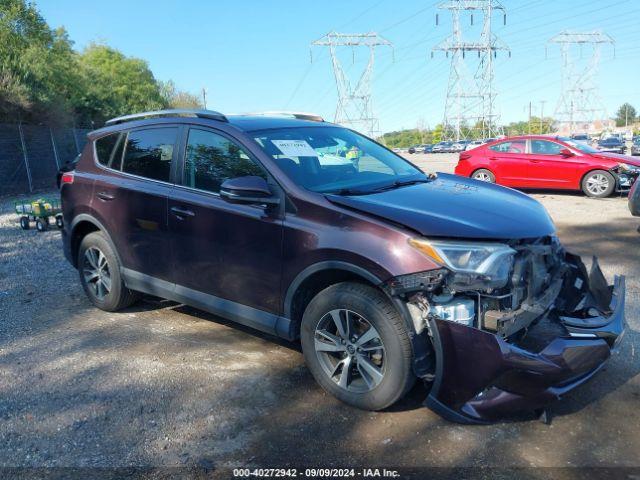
{"x":354,"y":106}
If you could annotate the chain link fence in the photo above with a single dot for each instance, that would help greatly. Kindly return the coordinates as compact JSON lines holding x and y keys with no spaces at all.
{"x":30,"y":155}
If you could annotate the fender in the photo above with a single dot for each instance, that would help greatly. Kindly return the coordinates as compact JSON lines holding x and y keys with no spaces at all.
{"x":318,"y":267}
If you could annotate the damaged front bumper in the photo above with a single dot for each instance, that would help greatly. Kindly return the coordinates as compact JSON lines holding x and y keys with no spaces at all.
{"x":479,"y":376}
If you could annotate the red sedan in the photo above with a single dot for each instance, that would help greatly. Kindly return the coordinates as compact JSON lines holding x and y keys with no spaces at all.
{"x":549,"y":162}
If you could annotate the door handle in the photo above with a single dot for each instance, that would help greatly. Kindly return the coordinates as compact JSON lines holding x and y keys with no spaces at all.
{"x":534,"y":161}
{"x":105,"y":196}
{"x":179,"y":212}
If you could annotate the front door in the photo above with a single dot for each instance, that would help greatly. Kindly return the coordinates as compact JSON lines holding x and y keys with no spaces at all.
{"x":229,"y":251}
{"x":547,"y":168}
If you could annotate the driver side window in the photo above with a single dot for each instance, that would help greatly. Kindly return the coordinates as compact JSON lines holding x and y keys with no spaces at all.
{"x":211,"y":159}
{"x":545,"y":147}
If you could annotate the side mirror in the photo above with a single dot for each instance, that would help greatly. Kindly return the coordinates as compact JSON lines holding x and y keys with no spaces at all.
{"x":565,"y":152}
{"x":249,"y":190}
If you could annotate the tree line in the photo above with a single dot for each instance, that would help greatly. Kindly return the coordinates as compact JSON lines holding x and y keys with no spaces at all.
{"x":43,"y":79}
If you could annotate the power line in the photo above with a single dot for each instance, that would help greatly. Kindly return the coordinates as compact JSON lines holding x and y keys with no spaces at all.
{"x":470,"y":100}
{"x":354,"y":107}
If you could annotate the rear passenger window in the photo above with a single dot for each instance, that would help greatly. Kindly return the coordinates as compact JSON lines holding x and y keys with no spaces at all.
{"x":515,"y":146}
{"x":104,"y":148}
{"x":149,"y":153}
{"x":211,"y":159}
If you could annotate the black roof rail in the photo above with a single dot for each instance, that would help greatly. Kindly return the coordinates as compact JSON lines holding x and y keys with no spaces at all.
{"x":177,"y":112}
{"x":299,"y":115}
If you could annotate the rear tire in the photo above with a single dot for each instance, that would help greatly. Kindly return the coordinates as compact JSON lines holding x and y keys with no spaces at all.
{"x":100,"y":277}
{"x":42,"y":224}
{"x":372,"y":351}
{"x":484,"y":175}
{"x":59,"y":221}
{"x":598,"y":184}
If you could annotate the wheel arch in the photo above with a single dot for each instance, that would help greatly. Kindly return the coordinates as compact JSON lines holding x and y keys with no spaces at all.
{"x":315,"y":278}
{"x":490,"y":170}
{"x":83,"y":225}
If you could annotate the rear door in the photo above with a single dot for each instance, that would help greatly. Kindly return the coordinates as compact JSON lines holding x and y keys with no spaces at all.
{"x":548,"y":169}
{"x":230,"y":251}
{"x":508,"y":161}
{"x":131,"y":194}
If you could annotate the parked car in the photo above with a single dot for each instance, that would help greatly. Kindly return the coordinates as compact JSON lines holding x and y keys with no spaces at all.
{"x":428,"y":148}
{"x":414,"y":149}
{"x":383,"y":273}
{"x":474,"y":143}
{"x":635,"y":147}
{"x":459,"y":146}
{"x":581,"y":137}
{"x":612,"y":145}
{"x":549,"y":162}
{"x":442,"y":147}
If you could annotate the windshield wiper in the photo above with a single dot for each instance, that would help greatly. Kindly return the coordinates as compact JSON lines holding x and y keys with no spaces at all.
{"x":402,"y":183}
{"x":348,"y":191}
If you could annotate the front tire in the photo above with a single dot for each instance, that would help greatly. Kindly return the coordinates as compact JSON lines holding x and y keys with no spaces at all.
{"x":357,"y":346}
{"x":484,"y":175}
{"x":598,"y":184}
{"x":100,"y":277}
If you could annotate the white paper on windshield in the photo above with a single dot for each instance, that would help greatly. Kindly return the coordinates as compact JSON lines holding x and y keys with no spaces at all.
{"x":295,"y":148}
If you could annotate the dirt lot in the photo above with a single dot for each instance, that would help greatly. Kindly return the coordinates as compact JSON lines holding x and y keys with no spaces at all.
{"x":166,"y":385}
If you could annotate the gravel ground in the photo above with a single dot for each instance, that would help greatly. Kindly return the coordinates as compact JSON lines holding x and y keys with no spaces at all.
{"x":163,"y":385}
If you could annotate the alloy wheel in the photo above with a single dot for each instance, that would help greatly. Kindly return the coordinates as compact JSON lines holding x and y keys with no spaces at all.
{"x":350,"y":350}
{"x":597,"y":184}
{"x":95,"y":271}
{"x":482,"y":176}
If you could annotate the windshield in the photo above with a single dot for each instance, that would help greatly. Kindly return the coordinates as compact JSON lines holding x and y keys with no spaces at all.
{"x":335,"y":160}
{"x":583,"y":147}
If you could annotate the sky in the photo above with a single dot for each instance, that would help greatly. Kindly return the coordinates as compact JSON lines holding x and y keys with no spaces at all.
{"x":255,"y":55}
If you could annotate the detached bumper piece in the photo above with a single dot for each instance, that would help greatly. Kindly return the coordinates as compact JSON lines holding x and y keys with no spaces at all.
{"x":481,"y":377}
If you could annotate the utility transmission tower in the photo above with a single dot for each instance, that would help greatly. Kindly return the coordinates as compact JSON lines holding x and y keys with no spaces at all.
{"x":580,"y":103}
{"x":354,"y":107}
{"x":470,"y":102}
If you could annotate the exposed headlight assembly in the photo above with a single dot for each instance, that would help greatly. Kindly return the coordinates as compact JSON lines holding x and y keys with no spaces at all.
{"x":626,"y":168}
{"x":475,"y":265}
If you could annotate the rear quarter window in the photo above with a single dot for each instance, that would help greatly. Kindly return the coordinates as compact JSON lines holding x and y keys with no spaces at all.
{"x":105,"y":147}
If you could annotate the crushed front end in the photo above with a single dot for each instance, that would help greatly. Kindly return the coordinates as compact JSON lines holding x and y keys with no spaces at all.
{"x":507,"y":327}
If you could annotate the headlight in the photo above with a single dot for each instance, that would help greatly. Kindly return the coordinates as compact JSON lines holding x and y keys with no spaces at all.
{"x":625,"y":167}
{"x":475,"y":265}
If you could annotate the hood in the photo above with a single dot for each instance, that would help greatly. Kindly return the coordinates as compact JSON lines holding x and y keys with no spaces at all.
{"x":616,"y":157}
{"x":453,"y":206}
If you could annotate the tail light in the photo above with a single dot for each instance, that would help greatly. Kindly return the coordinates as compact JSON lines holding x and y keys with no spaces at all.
{"x":464,"y":156}
{"x":67,"y":178}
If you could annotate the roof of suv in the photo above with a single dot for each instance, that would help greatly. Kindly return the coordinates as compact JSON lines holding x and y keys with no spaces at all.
{"x":263,"y":122}
{"x":247,"y":123}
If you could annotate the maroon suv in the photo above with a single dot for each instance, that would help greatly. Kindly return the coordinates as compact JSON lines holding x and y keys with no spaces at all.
{"x":307,"y":230}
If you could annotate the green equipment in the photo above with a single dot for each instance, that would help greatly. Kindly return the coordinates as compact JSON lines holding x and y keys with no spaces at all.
{"x":39,"y":211}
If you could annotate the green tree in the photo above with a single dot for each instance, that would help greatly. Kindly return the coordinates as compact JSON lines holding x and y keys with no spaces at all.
{"x":116,"y":84}
{"x":437,"y":133}
{"x":175,"y":98}
{"x":626,"y":115}
{"x":38,"y":71}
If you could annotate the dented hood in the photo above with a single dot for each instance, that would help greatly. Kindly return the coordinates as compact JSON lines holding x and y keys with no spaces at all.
{"x":453,"y":206}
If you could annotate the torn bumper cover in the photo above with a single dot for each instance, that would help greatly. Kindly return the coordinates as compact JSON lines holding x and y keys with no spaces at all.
{"x":480,"y":376}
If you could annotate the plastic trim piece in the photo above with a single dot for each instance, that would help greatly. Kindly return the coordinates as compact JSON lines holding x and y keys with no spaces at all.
{"x":177,"y":112}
